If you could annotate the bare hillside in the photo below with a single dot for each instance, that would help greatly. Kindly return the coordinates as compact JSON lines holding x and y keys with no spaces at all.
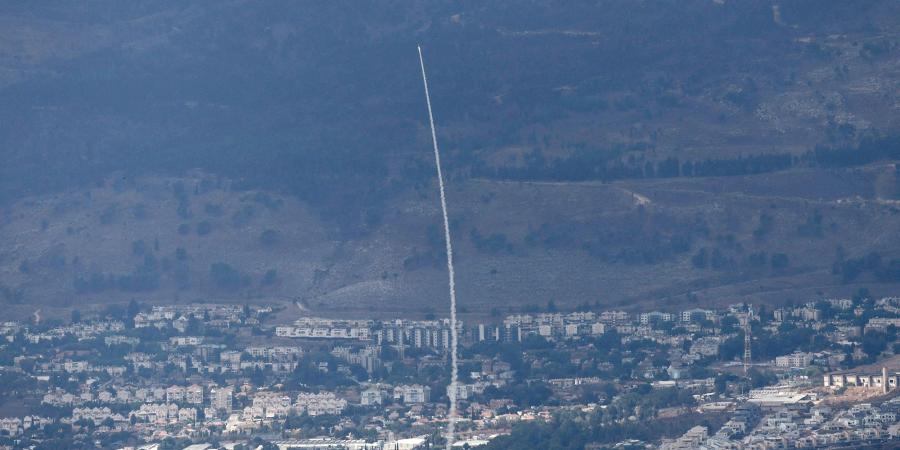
{"x":520,"y":245}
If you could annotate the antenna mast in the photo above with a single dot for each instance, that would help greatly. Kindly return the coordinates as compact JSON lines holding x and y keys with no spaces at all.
{"x":748,"y":357}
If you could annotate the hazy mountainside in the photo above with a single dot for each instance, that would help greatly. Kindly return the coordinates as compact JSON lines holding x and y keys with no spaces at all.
{"x":611,"y":151}
{"x":785,"y":236}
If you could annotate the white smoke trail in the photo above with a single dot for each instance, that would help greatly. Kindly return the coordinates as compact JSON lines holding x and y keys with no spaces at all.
{"x":454,"y":373}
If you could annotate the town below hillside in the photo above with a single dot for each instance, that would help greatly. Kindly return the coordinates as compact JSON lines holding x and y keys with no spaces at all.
{"x":823,"y":373}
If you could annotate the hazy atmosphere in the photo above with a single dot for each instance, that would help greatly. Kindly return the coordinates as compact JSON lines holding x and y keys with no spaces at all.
{"x":271,"y":163}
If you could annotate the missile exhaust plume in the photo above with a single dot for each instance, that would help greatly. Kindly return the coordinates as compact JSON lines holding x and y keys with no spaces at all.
{"x":454,"y":373}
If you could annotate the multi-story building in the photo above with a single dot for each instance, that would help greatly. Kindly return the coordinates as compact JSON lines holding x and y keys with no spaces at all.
{"x":76,"y":366}
{"x":183,"y":341}
{"x":12,"y":426}
{"x":614,"y":317}
{"x":221,"y":398}
{"x":881,"y":323}
{"x":794,"y":360}
{"x":706,"y":346}
{"x":411,"y":394}
{"x":697,"y":314}
{"x":886,"y":382}
{"x":312,"y":327}
{"x":655,"y":316}
{"x":193,"y":394}
{"x":175,"y":394}
{"x":371,"y":396}
{"x":319,"y":404}
{"x":268,"y":405}
{"x":463,"y":391}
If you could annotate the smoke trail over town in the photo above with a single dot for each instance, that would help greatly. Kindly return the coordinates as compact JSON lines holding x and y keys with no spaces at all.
{"x":454,"y":375}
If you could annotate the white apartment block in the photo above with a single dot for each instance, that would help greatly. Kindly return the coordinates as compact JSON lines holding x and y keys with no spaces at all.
{"x":319,"y":404}
{"x":886,"y":382}
{"x":411,"y":394}
{"x":794,"y":360}
{"x":371,"y":396}
{"x":221,"y":398}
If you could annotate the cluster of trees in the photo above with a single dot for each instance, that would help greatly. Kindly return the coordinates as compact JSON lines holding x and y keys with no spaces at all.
{"x":812,"y":227}
{"x":12,"y":295}
{"x":607,"y":165}
{"x":644,"y":248}
{"x":312,"y":425}
{"x":765,"y":226}
{"x":874,"y":342}
{"x":851,"y":269}
{"x":147,"y":277}
{"x":635,"y":238}
{"x":493,"y":243}
{"x":767,"y":345}
{"x":868,"y":150}
{"x":647,"y":401}
{"x":556,"y":363}
{"x":308,"y":372}
{"x":639,"y":405}
{"x":717,"y":259}
{"x":524,"y":395}
{"x":593,"y":164}
{"x":144,"y":278}
{"x":573,"y":431}
{"x":227,"y":277}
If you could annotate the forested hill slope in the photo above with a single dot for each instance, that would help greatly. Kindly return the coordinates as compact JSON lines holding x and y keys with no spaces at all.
{"x":699,"y":150}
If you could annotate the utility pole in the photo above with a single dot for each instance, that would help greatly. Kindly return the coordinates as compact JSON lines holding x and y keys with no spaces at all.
{"x":748,"y":357}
